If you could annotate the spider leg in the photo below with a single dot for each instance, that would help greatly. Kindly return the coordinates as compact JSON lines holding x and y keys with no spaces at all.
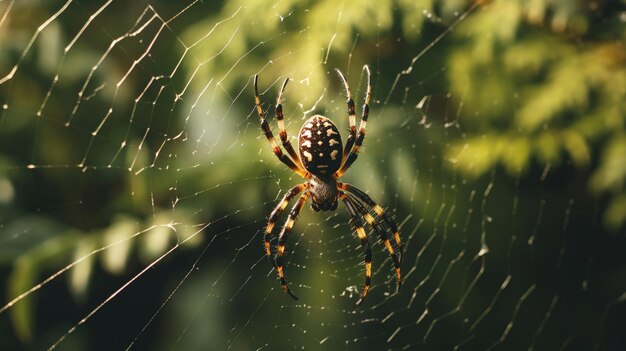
{"x":354,"y":151}
{"x":274,"y":215}
{"x":356,"y":222}
{"x":270,"y":137}
{"x":382,"y":234}
{"x":282,"y":132}
{"x":351,"y":116}
{"x":380,"y":212}
{"x":282,"y":240}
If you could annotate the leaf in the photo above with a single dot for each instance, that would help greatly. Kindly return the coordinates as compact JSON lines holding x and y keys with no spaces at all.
{"x":80,"y":273}
{"x":45,"y":254}
{"x":611,"y":174}
{"x":119,"y":237}
{"x":615,"y":215}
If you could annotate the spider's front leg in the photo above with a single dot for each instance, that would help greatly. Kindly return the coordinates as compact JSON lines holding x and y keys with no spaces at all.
{"x":282,"y":240}
{"x":270,"y":136}
{"x":349,"y":158}
{"x":351,"y":116}
{"x":282,"y":131}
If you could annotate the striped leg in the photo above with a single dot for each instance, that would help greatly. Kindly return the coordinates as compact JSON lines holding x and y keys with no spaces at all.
{"x":354,"y":151}
{"x":382,"y":234}
{"x":378,"y":210}
{"x":282,"y":131}
{"x":282,"y":240}
{"x":351,"y":117}
{"x":275,"y":213}
{"x":356,"y":222}
{"x":270,"y":137}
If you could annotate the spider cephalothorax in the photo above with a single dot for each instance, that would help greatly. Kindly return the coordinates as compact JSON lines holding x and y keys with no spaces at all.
{"x":322,"y":160}
{"x":324,"y":193}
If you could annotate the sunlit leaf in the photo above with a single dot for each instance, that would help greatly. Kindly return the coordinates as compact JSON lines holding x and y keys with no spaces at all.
{"x":118,"y":237}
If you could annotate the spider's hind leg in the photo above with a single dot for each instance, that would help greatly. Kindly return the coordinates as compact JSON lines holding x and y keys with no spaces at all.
{"x":382,"y":234}
{"x":282,"y":240}
{"x":291,"y":193}
{"x":356,"y":221}
{"x":380,"y":212}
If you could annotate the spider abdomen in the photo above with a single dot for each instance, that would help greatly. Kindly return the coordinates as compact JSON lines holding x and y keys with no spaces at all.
{"x":320,"y":146}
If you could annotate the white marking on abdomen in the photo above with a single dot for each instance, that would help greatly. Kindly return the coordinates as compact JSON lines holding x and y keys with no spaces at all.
{"x":333,"y":155}
{"x":308,"y":156}
{"x":333,"y":142}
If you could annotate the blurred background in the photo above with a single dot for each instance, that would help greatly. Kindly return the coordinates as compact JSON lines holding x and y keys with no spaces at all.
{"x":135,"y":183}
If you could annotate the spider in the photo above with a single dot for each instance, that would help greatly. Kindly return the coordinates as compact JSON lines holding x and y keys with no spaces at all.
{"x":322,"y":161}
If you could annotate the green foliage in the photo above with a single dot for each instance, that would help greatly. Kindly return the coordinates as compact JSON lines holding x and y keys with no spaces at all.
{"x":301,"y":54}
{"x":48,"y":248}
{"x":540,"y":82}
{"x":43,"y":243}
{"x":547,"y":88}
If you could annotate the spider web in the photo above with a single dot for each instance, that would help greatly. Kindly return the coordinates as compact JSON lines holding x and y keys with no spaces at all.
{"x":135,"y":185}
